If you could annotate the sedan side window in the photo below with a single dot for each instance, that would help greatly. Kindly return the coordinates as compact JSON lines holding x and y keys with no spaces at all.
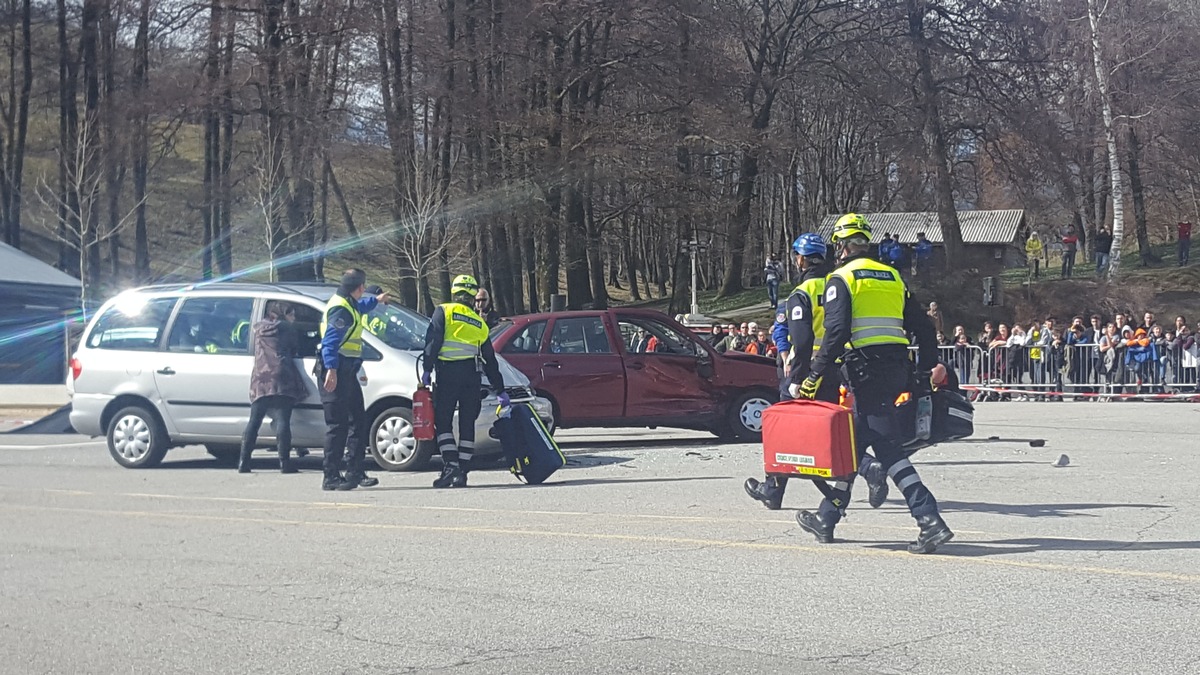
{"x":208,"y":325}
{"x":580,"y":335}
{"x":647,"y":336}
{"x":528,"y":340}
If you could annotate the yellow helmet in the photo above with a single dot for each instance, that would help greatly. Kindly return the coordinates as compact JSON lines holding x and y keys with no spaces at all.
{"x":851,"y":225}
{"x":464,"y":283}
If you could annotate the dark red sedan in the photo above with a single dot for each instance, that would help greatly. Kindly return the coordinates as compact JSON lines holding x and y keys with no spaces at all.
{"x":637,"y":368}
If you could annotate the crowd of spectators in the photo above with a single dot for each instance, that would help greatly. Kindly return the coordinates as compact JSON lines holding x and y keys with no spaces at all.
{"x":1091,"y":355}
{"x":748,"y":337}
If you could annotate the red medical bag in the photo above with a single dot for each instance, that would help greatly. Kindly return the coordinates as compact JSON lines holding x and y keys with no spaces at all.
{"x":809,"y":439}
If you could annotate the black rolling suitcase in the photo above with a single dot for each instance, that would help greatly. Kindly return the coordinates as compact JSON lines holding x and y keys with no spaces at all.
{"x":528,"y":444}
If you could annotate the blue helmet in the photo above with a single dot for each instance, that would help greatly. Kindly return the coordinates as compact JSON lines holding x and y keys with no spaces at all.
{"x":809,"y":244}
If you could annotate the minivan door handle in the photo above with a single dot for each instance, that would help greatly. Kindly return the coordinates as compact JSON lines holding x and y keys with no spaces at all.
{"x":552,"y":364}
{"x":165,"y":371}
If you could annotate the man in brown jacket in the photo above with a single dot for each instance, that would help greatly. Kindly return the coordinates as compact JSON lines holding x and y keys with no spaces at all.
{"x":276,"y":384}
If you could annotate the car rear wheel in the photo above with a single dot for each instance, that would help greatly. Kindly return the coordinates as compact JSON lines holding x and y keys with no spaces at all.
{"x":226,"y":454}
{"x":745,"y":416}
{"x":136,"y":439}
{"x":392,"y":443}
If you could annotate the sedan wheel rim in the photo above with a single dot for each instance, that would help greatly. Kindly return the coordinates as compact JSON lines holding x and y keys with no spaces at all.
{"x":394,"y":440}
{"x":131,"y":437}
{"x":752,"y":412}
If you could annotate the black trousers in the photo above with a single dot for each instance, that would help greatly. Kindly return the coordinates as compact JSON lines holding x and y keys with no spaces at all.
{"x":459,"y":386}
{"x":280,"y":409}
{"x":876,"y":426}
{"x":345,"y":420}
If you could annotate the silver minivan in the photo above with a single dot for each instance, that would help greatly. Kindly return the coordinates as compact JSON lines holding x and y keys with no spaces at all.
{"x":165,"y":366}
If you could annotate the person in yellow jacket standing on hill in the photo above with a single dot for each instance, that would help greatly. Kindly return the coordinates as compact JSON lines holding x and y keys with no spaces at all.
{"x":457,"y":345}
{"x":1033,"y":254}
{"x":868,"y":315}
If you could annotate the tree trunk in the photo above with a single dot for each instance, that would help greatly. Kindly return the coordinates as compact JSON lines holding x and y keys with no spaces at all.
{"x":140,"y":144}
{"x":579,"y":291}
{"x":15,"y":165}
{"x":735,"y":240}
{"x":594,"y":245}
{"x":69,"y":257}
{"x":934,"y":137}
{"x":515,"y":244}
{"x":1110,"y":136}
{"x":1139,"y":200}
{"x":223,"y":227}
{"x":343,"y":206}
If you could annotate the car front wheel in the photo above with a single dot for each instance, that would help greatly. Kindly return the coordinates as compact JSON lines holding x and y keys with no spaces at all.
{"x":136,"y":439}
{"x":393,"y":445}
{"x":746,"y":416}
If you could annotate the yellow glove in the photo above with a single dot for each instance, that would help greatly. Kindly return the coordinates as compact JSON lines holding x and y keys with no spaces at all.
{"x":808,"y":388}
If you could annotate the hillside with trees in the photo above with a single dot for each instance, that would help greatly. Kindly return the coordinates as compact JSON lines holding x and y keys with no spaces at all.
{"x":572,"y":147}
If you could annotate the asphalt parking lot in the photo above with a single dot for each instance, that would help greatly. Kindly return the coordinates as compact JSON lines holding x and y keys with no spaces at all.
{"x":643,"y":555}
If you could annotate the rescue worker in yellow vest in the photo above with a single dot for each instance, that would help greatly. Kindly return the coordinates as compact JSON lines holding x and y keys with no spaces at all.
{"x":868,"y":315}
{"x":457,"y":344}
{"x":341,"y":392}
{"x":805,"y":313}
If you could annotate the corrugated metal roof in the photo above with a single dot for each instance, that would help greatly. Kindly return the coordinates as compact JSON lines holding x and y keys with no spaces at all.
{"x":18,"y":267}
{"x":978,"y":227}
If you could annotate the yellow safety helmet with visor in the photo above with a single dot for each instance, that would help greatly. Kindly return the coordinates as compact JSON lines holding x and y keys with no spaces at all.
{"x":464,"y":283}
{"x":849,"y":226}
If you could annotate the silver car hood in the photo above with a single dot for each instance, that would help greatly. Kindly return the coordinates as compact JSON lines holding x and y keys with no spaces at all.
{"x":512,"y":376}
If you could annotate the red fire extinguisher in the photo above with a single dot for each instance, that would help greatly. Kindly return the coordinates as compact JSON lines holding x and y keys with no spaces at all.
{"x":422,"y":415}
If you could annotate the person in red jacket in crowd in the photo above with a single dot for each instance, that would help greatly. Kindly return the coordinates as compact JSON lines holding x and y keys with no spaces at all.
{"x":1070,"y":244}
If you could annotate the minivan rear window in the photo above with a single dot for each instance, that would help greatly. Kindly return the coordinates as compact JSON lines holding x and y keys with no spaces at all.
{"x":135,"y":323}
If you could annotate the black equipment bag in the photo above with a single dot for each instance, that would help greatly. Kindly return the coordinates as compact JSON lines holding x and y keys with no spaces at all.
{"x":953,"y":416}
{"x":528,"y":445}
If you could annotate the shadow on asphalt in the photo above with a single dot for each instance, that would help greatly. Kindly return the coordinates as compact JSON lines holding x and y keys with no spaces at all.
{"x":639,"y":444}
{"x":1028,"y":510}
{"x":979,"y":462}
{"x":312,"y":463}
{"x":602,"y":481}
{"x":1034,"y":544}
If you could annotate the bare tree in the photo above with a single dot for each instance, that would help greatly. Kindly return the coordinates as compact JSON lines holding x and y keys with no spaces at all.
{"x":1095,"y":15}
{"x":429,"y":240}
{"x":79,"y":205}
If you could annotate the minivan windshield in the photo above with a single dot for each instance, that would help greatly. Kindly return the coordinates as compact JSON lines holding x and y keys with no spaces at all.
{"x":398,"y":327}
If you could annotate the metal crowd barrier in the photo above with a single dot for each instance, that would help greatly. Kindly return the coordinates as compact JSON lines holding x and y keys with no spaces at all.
{"x":1074,"y":371}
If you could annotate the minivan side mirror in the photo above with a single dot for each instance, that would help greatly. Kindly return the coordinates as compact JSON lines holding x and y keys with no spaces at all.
{"x":704,"y":364}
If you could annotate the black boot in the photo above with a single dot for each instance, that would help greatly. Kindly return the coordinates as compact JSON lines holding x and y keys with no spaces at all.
{"x":361,"y":479}
{"x":459,"y":479}
{"x":244,"y":462}
{"x":877,"y":484}
{"x":287,"y":466}
{"x":336,"y":482}
{"x":447,"y":478}
{"x":762,"y":492}
{"x":816,"y":526}
{"x":934,"y":533}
